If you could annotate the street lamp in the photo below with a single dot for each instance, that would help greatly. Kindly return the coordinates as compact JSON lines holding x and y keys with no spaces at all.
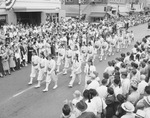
{"x":79,"y":9}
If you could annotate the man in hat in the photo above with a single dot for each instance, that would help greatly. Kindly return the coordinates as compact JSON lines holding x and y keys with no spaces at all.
{"x":82,"y":106}
{"x":147,"y":106}
{"x":129,"y":108}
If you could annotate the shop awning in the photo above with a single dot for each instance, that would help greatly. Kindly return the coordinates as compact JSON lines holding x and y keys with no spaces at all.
{"x":36,"y":5}
{"x":123,"y":14}
{"x":97,"y":14}
{"x":111,"y":14}
{"x":74,"y":15}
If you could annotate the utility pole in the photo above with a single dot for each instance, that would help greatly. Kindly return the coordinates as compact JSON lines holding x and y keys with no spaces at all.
{"x":79,"y":9}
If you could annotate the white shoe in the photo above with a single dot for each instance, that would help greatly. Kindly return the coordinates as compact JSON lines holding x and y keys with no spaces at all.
{"x":45,"y":90}
{"x":30,"y":83}
{"x":37,"y":86}
{"x":70,"y":86}
{"x":57,"y":71}
{"x":70,"y":76}
{"x":55,"y":87}
{"x":64,"y":73}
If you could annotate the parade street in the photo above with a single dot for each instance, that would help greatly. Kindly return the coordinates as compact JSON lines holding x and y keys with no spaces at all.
{"x":19,"y":100}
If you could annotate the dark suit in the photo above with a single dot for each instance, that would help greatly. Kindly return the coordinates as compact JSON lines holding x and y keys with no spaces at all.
{"x":87,"y":115}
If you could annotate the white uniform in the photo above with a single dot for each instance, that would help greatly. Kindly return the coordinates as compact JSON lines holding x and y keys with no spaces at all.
{"x":42,"y":68}
{"x":68,"y":58}
{"x":35,"y":65}
{"x":88,"y":70}
{"x":90,"y":52}
{"x":51,"y":66}
{"x":83,"y":52}
{"x":61,"y":55}
{"x":76,"y":70}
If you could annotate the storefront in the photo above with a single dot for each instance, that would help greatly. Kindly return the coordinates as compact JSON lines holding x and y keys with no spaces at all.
{"x":34,"y":11}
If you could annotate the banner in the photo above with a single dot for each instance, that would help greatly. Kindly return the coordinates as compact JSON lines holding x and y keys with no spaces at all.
{"x":9,"y":4}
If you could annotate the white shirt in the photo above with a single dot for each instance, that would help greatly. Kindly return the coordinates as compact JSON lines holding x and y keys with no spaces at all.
{"x":93,"y":85}
{"x":51,"y":65}
{"x":117,"y":90}
{"x":141,"y":86}
{"x":109,"y":70}
{"x":125,"y":86}
{"x":147,"y":111}
{"x":102,"y":91}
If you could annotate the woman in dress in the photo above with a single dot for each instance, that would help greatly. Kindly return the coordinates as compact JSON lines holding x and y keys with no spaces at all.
{"x":1,"y":65}
{"x":76,"y":70}
{"x":12,"y":63}
{"x":6,"y":63}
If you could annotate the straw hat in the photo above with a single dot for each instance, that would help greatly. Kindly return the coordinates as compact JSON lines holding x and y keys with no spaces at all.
{"x":147,"y":99}
{"x":140,"y":114}
{"x":128,"y":106}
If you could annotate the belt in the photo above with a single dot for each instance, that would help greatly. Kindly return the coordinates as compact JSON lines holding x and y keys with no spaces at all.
{"x":90,"y":52}
{"x":68,"y":56}
{"x":49,"y":69}
{"x":42,"y":67}
{"x":34,"y":64}
{"x":60,"y":54}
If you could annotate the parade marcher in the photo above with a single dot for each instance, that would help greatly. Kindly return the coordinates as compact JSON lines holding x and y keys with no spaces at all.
{"x":90,"y":52}
{"x":61,"y":55}
{"x":42,"y":69}
{"x":88,"y":70}
{"x":76,"y":70}
{"x":34,"y":68}
{"x":51,"y":73}
{"x":68,"y":59}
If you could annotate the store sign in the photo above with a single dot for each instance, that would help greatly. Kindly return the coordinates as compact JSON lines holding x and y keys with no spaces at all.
{"x":118,"y":1}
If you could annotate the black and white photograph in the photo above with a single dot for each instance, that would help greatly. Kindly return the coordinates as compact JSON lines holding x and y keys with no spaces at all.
{"x":74,"y":58}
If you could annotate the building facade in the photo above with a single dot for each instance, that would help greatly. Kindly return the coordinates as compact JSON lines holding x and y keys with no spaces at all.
{"x":89,"y":9}
{"x":94,"y":9}
{"x":31,"y":11}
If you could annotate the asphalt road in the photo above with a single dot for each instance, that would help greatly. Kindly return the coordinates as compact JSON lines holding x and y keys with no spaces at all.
{"x":18,"y":100}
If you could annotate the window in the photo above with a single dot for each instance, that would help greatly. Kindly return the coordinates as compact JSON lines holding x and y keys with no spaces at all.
{"x":69,"y":0}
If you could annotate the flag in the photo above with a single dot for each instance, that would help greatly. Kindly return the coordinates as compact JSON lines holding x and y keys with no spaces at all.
{"x":9,"y":4}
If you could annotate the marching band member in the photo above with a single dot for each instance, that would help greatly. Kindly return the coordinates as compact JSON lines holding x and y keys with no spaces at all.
{"x":83,"y":52}
{"x":68,"y":58}
{"x":76,"y":70}
{"x":90,"y":52}
{"x":88,"y":70}
{"x":34,"y":68}
{"x":51,"y":74}
{"x":97,"y":45}
{"x":42,"y":69}
{"x":104,"y":49}
{"x":61,"y":55}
